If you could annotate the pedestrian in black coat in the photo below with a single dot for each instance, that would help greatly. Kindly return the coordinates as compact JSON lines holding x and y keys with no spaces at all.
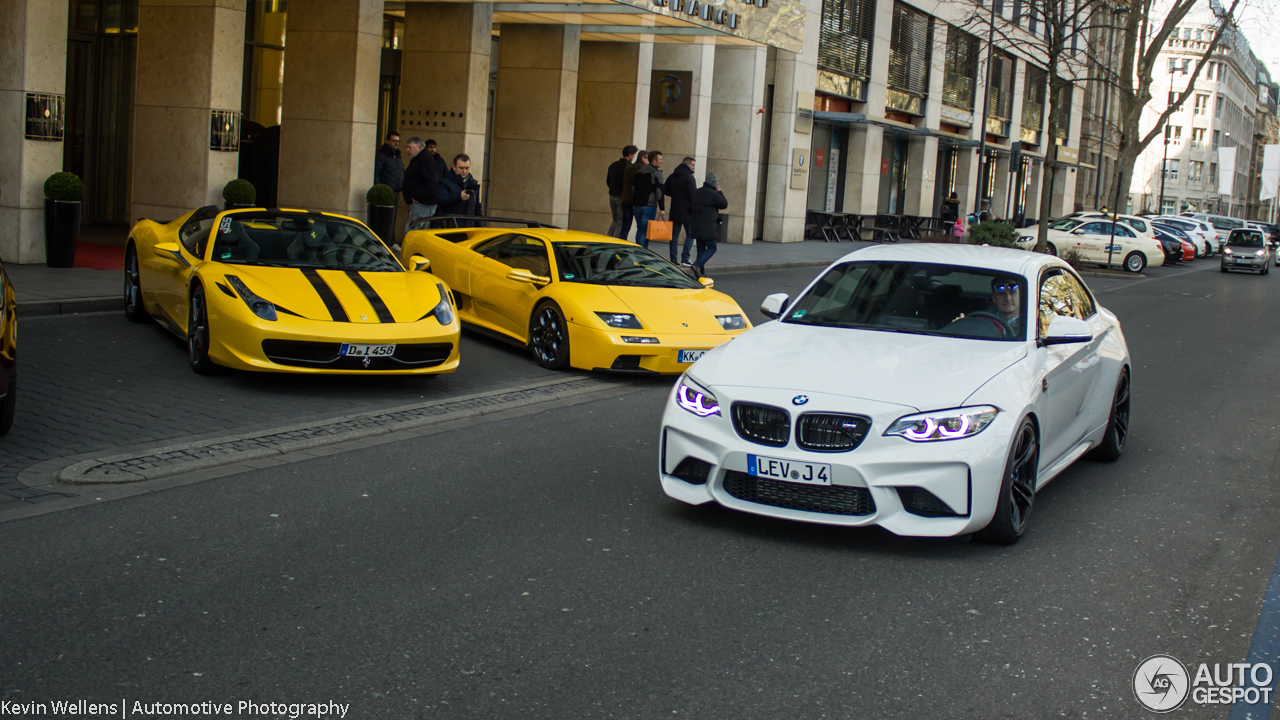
{"x":454,"y":196}
{"x":627,"y":198}
{"x":421,"y":179}
{"x":680,"y":188}
{"x":388,"y":169}
{"x":613,"y":180}
{"x":705,"y":209}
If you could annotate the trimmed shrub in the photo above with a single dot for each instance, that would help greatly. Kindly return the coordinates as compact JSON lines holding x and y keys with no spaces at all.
{"x":993,"y":233}
{"x":380,"y":195}
{"x":63,"y":186}
{"x":239,"y":192}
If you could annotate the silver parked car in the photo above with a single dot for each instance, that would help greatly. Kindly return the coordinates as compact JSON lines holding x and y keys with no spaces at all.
{"x":1246,"y":249}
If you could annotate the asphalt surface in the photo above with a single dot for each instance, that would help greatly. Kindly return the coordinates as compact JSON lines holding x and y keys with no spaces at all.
{"x":532,"y":568}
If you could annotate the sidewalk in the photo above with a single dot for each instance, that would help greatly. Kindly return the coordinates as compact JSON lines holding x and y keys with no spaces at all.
{"x":52,"y":291}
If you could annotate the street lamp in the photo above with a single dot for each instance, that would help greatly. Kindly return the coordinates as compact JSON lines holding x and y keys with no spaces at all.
{"x":1106,"y":101}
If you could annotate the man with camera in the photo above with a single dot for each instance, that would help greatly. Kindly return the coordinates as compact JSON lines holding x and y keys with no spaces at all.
{"x":459,"y":193}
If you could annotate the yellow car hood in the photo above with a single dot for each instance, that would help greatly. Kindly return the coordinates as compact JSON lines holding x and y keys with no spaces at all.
{"x":664,"y":310}
{"x":317,"y":294}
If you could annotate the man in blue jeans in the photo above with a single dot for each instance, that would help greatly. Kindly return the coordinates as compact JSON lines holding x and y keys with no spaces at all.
{"x":704,"y":223}
{"x":647,"y":196}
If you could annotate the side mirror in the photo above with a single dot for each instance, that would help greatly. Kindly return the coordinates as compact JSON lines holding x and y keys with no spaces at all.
{"x":1065,"y":330}
{"x":773,"y":305}
{"x":707,"y":282}
{"x":527,"y":276}
{"x":418,"y":263}
{"x":1078,"y":232}
{"x":168,"y":251}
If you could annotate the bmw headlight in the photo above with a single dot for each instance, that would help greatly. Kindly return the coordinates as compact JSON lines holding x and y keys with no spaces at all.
{"x":259,"y":306}
{"x":443,"y":309}
{"x":622,"y":321}
{"x":732,"y":322}
{"x":943,"y":424}
{"x":696,"y":399}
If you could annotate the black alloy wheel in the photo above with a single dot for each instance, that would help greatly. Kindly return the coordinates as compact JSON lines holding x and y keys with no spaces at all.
{"x":1018,"y":490}
{"x":1053,"y":249}
{"x":1117,"y":433}
{"x":549,"y":337}
{"x":198,"y":334}
{"x":133,"y":307}
{"x":10,"y":402}
{"x":1135,"y":262}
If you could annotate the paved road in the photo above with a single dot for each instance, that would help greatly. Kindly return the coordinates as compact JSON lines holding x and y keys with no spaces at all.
{"x":531,"y":567}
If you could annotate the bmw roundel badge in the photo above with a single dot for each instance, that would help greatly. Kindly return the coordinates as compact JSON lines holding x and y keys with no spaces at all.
{"x":799,"y":399}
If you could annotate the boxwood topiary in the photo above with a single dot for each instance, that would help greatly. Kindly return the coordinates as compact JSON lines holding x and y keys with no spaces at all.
{"x":239,"y":192}
{"x":63,"y":186}
{"x":381,"y":195}
{"x":994,"y":233}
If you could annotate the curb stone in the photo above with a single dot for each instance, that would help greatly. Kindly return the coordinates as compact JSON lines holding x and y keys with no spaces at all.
{"x":68,"y":306}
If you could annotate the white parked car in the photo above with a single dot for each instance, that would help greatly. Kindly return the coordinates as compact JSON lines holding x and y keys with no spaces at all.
{"x":1203,"y":235}
{"x":928,"y":389}
{"x":1090,"y":235}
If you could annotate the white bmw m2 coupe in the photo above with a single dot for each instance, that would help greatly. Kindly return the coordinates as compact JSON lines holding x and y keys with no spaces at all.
{"x":928,"y":389}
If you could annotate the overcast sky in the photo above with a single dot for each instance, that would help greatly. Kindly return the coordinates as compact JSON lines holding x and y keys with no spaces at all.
{"x":1260,"y":23}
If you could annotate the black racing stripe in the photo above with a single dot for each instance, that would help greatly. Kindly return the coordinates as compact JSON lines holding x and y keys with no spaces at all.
{"x":384,"y":314}
{"x":326,"y":295}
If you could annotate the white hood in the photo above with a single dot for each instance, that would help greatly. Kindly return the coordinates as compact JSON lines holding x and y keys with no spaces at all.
{"x":920,"y":371}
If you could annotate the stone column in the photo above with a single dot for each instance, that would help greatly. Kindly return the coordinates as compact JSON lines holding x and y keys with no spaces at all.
{"x":612,"y":112}
{"x":680,"y":138}
{"x":444,"y":77}
{"x":533,"y":122}
{"x":328,"y":131}
{"x":784,"y":207}
{"x":862,"y":170}
{"x":733,"y":145}
{"x":33,"y":58}
{"x":190,"y":63}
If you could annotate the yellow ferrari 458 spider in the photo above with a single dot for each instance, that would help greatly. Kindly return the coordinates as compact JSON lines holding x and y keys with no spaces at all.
{"x":288,"y":290}
{"x":577,"y":299}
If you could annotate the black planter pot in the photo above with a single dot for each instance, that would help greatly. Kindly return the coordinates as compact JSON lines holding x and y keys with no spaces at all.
{"x":61,"y":231}
{"x":236,"y":206}
{"x":382,"y":220}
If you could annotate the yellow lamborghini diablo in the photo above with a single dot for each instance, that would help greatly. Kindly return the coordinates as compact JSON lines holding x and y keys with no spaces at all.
{"x":289,"y":291}
{"x":577,"y":299}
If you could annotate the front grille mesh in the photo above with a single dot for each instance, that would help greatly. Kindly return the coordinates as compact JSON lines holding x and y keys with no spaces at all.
{"x":831,"y":432}
{"x":304,"y":353}
{"x":828,"y":499}
{"x":762,"y":424}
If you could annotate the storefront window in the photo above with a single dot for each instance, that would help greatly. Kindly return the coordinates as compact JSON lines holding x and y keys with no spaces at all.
{"x":264,"y":35}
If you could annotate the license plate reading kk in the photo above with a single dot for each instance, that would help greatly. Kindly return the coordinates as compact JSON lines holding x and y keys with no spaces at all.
{"x":353,"y":350}
{"x":688,"y":356}
{"x":789,"y":470}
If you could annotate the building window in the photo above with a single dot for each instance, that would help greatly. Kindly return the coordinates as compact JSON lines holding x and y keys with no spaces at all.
{"x":1186,"y":33}
{"x":1062,"y":108}
{"x":1186,"y":65}
{"x":1173,"y":65}
{"x":1033,"y":103}
{"x":844,"y":45}
{"x":960,"y":70}
{"x":1195,"y":173}
{"x":1198,"y":36}
{"x":264,"y":37}
{"x":1216,"y":137}
{"x":1202,"y":104}
{"x":1171,"y":170}
{"x":1031,"y":19}
{"x":1213,"y":174}
{"x":910,"y":56}
{"x":1001,"y":103}
{"x":1167,"y":206}
{"x":1197,"y":138}
{"x":1217,"y":110}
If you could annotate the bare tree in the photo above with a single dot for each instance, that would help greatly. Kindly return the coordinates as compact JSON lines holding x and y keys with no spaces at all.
{"x":1142,"y":39}
{"x":1060,"y":44}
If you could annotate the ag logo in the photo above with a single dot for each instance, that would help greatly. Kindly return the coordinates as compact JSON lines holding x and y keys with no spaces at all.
{"x":1161,"y":683}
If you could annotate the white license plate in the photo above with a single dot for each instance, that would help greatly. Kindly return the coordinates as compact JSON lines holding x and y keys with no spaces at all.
{"x":349,"y":350}
{"x":688,"y":356}
{"x":789,"y":470}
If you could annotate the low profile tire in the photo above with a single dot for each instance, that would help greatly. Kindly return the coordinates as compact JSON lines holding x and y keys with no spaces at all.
{"x":1135,"y":262}
{"x":549,"y":337}
{"x":133,"y":307}
{"x":1017,"y":490}
{"x":1117,"y":433}
{"x":198,"y":335}
{"x":9,"y":403}
{"x":1053,"y":249}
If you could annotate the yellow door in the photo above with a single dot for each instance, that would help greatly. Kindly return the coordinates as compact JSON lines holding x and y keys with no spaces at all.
{"x":507,"y":304}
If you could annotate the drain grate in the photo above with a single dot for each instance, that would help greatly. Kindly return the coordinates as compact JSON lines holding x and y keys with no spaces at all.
{"x":176,"y":459}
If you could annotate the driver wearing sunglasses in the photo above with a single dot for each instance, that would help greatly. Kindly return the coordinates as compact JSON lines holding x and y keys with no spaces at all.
{"x":1006,"y":307}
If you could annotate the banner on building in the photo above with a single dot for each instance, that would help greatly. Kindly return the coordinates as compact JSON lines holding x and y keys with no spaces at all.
{"x":1270,"y":172}
{"x":1226,"y":170}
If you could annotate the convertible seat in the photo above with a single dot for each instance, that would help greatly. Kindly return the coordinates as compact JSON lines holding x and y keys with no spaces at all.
{"x":237,"y":242}
{"x":312,"y":243}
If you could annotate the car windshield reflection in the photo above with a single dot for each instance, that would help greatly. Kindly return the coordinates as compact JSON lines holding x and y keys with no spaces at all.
{"x":917,"y":298}
{"x":300,"y":240}
{"x":616,"y":264}
{"x":1245,"y":239}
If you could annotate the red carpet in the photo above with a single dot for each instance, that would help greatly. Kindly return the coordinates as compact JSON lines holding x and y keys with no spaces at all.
{"x":99,"y":257}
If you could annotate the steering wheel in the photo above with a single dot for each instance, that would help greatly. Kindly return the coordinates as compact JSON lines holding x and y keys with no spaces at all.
{"x":1006,"y":330}
{"x":335,"y":249}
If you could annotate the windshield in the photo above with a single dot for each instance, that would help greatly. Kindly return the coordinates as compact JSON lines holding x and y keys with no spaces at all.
{"x":1252,"y":239}
{"x":917,"y":298}
{"x":616,"y":264}
{"x":1139,"y":225}
{"x":1065,"y":225}
{"x":300,"y":240}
